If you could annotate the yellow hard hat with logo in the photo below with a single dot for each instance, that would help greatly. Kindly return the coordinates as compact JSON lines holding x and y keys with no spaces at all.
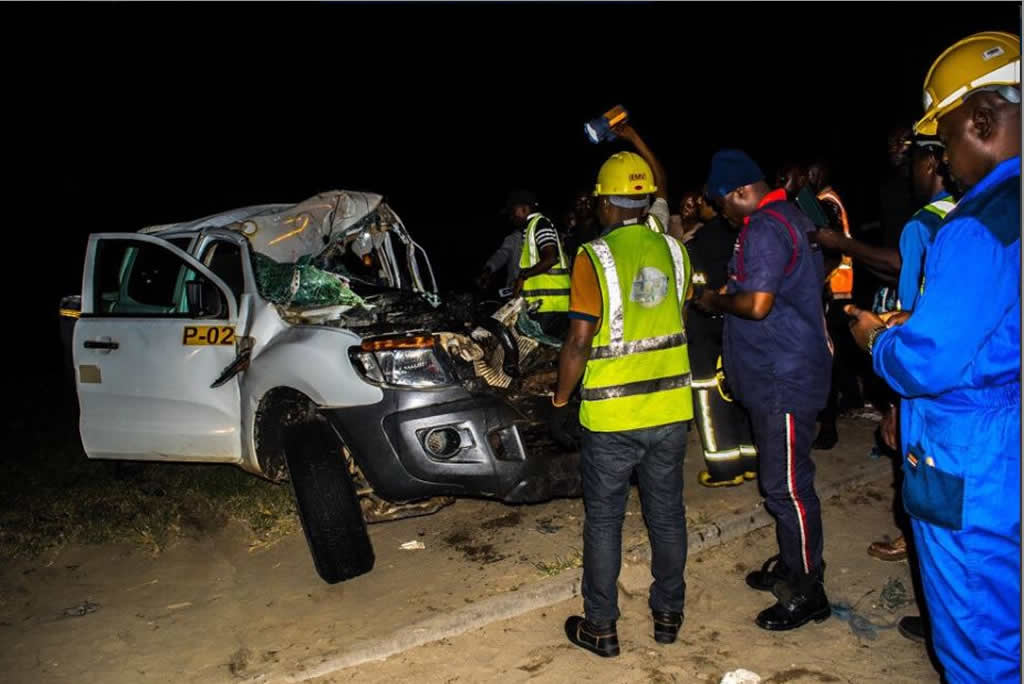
{"x":625,"y":173}
{"x":984,"y":60}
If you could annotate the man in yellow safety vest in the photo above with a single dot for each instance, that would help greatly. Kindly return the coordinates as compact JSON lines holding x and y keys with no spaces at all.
{"x":627,"y":341}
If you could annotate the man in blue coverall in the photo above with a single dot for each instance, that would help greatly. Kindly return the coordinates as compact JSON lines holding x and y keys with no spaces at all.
{"x":778,"y":361}
{"x":956,"y":362}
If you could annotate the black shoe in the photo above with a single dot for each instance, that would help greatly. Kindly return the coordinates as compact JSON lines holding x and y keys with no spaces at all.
{"x":666,"y":626}
{"x":600,"y":639}
{"x":795,"y":607}
{"x":827,"y":438}
{"x":774,"y":570}
{"x":912,"y":627}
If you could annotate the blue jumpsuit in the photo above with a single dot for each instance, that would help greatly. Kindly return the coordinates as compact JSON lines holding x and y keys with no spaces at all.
{"x":956,"y":362}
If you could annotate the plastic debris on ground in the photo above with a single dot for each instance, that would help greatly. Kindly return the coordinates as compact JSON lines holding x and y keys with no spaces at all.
{"x":83,"y":608}
{"x":894,"y":595}
{"x":413,"y":546}
{"x":741,"y":676}
{"x":302,"y":285}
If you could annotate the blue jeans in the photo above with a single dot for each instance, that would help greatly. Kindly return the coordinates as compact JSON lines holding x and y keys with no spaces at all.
{"x":609,"y":459}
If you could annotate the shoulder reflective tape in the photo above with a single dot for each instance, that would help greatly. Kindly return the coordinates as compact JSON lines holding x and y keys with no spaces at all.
{"x":616,"y":324}
{"x":636,"y":346}
{"x":677,"y":261}
{"x":531,"y":242}
{"x":633,"y":388}
{"x":941,"y":207}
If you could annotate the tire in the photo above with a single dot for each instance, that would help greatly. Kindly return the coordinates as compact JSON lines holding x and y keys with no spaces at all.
{"x":327,"y":503}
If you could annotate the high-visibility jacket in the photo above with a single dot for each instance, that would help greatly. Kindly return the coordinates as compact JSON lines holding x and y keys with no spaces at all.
{"x":551,"y":288}
{"x":654,"y":224}
{"x":840,"y":280}
{"x":638,"y":375}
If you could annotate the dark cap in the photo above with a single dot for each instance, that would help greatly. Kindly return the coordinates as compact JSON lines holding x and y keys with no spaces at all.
{"x":520,"y":197}
{"x":731,"y":169}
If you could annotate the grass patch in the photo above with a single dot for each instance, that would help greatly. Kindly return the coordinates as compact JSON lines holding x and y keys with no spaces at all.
{"x":559,"y":564}
{"x":52,"y":495}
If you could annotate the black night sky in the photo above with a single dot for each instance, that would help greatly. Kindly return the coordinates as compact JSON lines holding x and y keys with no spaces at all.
{"x":123,"y":115}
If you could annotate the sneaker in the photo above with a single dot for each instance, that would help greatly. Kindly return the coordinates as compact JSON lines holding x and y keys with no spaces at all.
{"x":600,"y":639}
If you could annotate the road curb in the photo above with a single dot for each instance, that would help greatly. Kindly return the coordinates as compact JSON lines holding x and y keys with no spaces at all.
{"x":539,"y":595}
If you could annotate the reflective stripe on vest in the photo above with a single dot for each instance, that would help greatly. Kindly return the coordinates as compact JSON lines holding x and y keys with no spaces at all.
{"x":840,"y":280}
{"x":638,"y":374}
{"x":550,"y":288}
{"x":940,"y":207}
{"x":654,"y":224}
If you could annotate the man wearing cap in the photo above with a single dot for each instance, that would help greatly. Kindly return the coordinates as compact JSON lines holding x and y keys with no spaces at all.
{"x":535,"y":263}
{"x":778,"y":360}
{"x":956,"y":362}
{"x":627,"y":341}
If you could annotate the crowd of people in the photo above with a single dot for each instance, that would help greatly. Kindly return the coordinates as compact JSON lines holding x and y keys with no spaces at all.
{"x":737,"y":313}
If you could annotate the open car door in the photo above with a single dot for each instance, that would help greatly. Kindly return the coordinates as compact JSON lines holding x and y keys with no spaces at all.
{"x":157,"y":328}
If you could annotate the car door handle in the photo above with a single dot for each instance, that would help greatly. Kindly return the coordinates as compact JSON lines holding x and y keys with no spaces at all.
{"x":101,"y":344}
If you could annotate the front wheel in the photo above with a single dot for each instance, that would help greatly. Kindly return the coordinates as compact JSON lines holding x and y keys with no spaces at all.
{"x":327,"y":503}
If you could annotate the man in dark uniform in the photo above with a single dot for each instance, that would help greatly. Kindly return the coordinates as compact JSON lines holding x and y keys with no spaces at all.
{"x":729,"y":454}
{"x":778,"y":359}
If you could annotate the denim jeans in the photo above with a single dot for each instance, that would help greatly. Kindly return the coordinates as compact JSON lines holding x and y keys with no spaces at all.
{"x":609,"y":458}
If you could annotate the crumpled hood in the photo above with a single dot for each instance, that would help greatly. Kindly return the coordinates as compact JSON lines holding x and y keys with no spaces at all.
{"x":288,"y":232}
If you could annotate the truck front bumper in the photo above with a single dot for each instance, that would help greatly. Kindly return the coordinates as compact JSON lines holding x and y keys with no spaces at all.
{"x":423,"y":443}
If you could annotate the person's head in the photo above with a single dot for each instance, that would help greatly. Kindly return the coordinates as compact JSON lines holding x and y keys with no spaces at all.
{"x":972,"y":102}
{"x":898,"y":145}
{"x":928,"y":171}
{"x":519,"y":205}
{"x":583,"y":206}
{"x":690,"y":206}
{"x":707,"y":209}
{"x":793,"y":177}
{"x":624,"y":186}
{"x":736,"y":185}
{"x":817,"y":175}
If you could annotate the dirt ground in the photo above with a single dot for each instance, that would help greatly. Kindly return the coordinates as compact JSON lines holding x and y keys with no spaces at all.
{"x":212,"y":608}
{"x":718,"y":634}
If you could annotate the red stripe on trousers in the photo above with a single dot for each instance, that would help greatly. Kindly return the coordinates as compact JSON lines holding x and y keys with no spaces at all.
{"x":801,"y":512}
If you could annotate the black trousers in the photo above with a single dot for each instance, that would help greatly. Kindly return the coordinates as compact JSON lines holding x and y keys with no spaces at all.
{"x":786,"y":476}
{"x":847,"y":364}
{"x":722,"y":422}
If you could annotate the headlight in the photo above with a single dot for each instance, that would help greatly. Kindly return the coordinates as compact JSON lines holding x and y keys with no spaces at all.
{"x":401,"y":361}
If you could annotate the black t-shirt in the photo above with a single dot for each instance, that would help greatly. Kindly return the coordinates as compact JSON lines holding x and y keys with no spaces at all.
{"x":897,"y":206}
{"x":710,"y":251}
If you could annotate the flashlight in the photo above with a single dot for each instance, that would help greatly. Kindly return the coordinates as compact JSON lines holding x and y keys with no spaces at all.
{"x":600,"y":129}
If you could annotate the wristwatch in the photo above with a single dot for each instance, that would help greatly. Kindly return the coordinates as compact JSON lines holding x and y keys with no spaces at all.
{"x":873,"y":335}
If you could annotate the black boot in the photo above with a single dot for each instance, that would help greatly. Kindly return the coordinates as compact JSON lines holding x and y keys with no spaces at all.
{"x":666,"y":626}
{"x":912,"y":627}
{"x":828,"y":437}
{"x":799,"y":602}
{"x":600,"y":639}
{"x":774,"y":570}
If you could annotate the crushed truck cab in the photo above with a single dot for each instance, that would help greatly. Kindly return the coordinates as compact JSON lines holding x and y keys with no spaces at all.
{"x":308,"y":342}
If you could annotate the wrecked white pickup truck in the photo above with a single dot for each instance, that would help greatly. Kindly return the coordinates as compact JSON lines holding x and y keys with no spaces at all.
{"x":308,"y":342}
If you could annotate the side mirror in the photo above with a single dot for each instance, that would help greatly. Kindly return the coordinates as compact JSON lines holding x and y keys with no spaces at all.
{"x":204,"y":299}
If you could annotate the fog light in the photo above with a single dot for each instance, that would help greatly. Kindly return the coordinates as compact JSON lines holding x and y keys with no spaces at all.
{"x":442,"y":442}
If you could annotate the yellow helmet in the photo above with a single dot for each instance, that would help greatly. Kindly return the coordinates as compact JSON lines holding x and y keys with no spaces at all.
{"x":991,"y":58}
{"x":625,"y":173}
